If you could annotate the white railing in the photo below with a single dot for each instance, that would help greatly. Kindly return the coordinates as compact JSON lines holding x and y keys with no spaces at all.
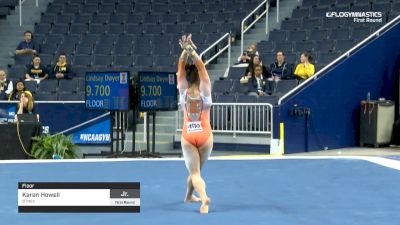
{"x":20,"y":10}
{"x":243,"y":30}
{"x":220,"y":51}
{"x":237,"y":118}
{"x":333,"y":63}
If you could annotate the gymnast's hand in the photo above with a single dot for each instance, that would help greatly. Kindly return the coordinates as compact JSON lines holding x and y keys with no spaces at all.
{"x":187,"y":44}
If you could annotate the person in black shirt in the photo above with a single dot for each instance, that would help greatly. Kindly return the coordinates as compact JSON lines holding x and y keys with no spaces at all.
{"x":280,"y":69}
{"x":62,"y":70}
{"x":18,"y":90}
{"x":36,"y":71}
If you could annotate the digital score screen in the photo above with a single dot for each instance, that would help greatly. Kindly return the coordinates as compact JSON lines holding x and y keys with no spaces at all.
{"x":157,"y":91}
{"x":107,"y":91}
{"x":41,"y":197}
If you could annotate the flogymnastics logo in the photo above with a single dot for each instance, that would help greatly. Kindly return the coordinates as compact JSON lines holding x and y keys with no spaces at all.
{"x":358,"y":17}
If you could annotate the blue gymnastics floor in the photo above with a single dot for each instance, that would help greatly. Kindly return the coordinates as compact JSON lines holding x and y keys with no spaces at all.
{"x":279,"y":192}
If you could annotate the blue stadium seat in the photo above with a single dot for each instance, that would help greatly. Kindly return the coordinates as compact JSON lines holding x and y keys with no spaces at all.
{"x":142,"y":8}
{"x":326,"y":2}
{"x":99,"y":19}
{"x":265,"y":47}
{"x":238,"y":88}
{"x":124,"y":8}
{"x":134,"y":29}
{"x":160,"y":8}
{"x":42,"y":28}
{"x":82,"y":60}
{"x":310,"y":3}
{"x":326,"y":57}
{"x":284,"y":86}
{"x":115,"y":29}
{"x":222,"y":86}
{"x":107,"y":8}
{"x":361,"y":7}
{"x":48,"y":48}
{"x":54,"y":39}
{"x":101,"y":49}
{"x":71,"y":8}
{"x":64,"y":18}
{"x":303,"y":46}
{"x":291,"y":24}
{"x":284,"y":46}
{"x":88,"y":9}
{"x":319,"y":35}
{"x":48,"y":86}
{"x":340,"y":34}
{"x":301,"y":13}
{"x":82,"y":18}
{"x":344,"y":45}
{"x":165,"y":61}
{"x":320,"y":11}
{"x":235,"y":73}
{"x":277,"y":35}
{"x":205,"y":17}
{"x":78,"y":28}
{"x":67,"y":86}
{"x":46,"y":59}
{"x":123,"y":60}
{"x":312,"y":23}
{"x":123,"y":48}
{"x":54,"y":9}
{"x":96,"y":29}
{"x":118,"y":18}
{"x":90,"y":39}
{"x":361,"y":33}
{"x":31,"y":86}
{"x":169,"y":18}
{"x":16,"y":72}
{"x":86,"y":49}
{"x":67,"y":47}
{"x":161,"y":48}
{"x":344,"y":2}
{"x":47,"y":18}
{"x":331,"y":23}
{"x":297,"y":35}
{"x":102,"y":60}
{"x":151,"y":19}
{"x":324,"y":46}
{"x":144,"y":61}
{"x":72,"y":39}
{"x":60,"y":29}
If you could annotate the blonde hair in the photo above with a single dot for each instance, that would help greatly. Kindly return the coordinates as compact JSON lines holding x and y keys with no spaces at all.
{"x":30,"y":103}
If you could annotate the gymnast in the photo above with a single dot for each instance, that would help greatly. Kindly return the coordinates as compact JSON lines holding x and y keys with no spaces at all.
{"x":197,"y":140}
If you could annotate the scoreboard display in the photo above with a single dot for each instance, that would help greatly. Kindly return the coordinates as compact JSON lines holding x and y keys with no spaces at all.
{"x":157,"y":91}
{"x":107,"y":91}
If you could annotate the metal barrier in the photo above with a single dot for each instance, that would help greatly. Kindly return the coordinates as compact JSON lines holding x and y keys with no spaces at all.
{"x":343,"y":56}
{"x":243,"y":30}
{"x":228,"y":46}
{"x":237,"y":118}
{"x":20,"y":10}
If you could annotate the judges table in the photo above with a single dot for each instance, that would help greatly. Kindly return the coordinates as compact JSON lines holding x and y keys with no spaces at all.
{"x":10,"y":146}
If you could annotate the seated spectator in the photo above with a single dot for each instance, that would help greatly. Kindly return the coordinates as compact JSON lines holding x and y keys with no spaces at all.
{"x":248,"y":54}
{"x":281,"y":69}
{"x":26,"y":104}
{"x":6,"y":86}
{"x":257,"y":82}
{"x":304,"y":69}
{"x":36,"y":71}
{"x":62,"y":70}
{"x":255,"y":61}
{"x":18,"y":90}
{"x":27,"y":46}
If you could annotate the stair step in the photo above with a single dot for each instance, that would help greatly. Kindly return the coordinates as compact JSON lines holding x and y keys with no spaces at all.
{"x":139,"y":136}
{"x":160,"y":146}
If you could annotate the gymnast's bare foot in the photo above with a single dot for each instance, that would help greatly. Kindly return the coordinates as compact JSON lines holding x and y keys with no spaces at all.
{"x":204,"y":206}
{"x":192,"y":198}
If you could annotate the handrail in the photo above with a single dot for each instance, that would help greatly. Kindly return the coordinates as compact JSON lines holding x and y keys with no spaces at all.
{"x":220,"y":51}
{"x":277,"y":11}
{"x":344,"y":55}
{"x":242,"y":31}
{"x":20,"y":10}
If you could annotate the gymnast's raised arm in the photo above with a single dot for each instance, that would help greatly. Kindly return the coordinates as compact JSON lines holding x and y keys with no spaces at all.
{"x":205,"y":83}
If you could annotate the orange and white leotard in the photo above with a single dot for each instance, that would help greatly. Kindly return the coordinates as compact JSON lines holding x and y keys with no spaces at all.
{"x":196,"y":126}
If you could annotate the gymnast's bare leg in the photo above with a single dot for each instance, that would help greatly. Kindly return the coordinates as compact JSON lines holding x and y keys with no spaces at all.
{"x":194,"y":160}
